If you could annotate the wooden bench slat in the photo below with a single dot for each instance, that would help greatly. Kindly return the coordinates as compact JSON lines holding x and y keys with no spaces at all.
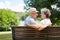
{"x":28,"y":33}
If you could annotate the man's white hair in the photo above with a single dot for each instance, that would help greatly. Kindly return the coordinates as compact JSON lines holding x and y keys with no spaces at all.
{"x":32,"y":9}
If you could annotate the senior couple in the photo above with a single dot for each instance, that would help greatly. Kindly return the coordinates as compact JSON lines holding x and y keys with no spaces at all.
{"x":45,"y":22}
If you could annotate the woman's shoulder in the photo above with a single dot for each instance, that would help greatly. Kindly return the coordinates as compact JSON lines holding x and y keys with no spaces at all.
{"x":46,"y":20}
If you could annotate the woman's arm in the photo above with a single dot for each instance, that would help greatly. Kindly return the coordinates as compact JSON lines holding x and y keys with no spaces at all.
{"x":33,"y":26}
{"x":44,"y":26}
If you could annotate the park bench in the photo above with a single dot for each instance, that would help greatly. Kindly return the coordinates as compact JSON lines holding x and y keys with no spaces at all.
{"x":28,"y":33}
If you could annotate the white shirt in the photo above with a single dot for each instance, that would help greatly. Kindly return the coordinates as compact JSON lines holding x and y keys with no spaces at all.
{"x":45,"y":22}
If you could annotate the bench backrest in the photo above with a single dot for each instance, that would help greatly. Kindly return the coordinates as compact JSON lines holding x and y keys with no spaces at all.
{"x":27,"y":33}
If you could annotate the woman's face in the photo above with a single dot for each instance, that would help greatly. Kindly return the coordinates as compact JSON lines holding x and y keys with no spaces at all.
{"x":43,"y":15}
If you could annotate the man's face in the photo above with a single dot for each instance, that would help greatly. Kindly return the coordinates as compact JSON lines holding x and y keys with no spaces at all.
{"x":34,"y":14}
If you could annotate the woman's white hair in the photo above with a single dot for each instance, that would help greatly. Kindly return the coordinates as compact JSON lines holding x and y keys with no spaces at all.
{"x":46,"y":10}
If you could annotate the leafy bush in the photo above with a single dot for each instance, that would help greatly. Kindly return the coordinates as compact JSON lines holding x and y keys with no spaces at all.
{"x":7,"y":18}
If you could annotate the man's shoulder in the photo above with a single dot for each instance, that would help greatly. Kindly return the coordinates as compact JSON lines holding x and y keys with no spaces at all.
{"x":29,"y":18}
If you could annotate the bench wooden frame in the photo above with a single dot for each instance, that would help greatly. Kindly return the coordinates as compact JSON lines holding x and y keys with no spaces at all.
{"x":28,"y":33}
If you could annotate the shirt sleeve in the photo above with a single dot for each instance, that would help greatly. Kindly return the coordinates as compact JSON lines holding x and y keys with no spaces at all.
{"x":30,"y":21}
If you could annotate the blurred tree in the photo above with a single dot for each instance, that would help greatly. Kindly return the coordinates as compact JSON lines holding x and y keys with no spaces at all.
{"x":55,"y":14}
{"x":7,"y":18}
{"x":58,"y":4}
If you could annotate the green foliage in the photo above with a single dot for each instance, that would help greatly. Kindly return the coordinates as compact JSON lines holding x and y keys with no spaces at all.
{"x":55,"y":17}
{"x":23,"y":15}
{"x":7,"y":18}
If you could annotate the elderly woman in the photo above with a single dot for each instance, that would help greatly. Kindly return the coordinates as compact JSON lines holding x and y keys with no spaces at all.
{"x":45,"y":14}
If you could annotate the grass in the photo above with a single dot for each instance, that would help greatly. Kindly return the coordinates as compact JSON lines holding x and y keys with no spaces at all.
{"x":6,"y":36}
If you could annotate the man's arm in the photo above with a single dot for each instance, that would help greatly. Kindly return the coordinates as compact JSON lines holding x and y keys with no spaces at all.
{"x":32,"y":25}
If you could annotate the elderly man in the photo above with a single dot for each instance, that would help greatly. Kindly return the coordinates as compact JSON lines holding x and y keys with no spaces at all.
{"x":31,"y":18}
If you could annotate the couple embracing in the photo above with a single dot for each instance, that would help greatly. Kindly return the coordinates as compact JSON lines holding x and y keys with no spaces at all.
{"x":45,"y":22}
